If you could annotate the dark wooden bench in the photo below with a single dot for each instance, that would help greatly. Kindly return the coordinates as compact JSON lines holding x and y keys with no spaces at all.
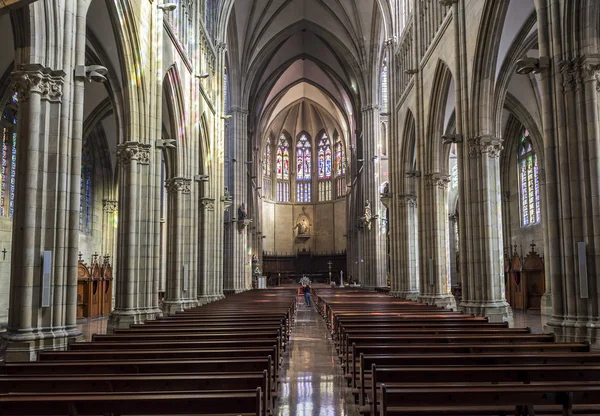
{"x":362,"y":377}
{"x":467,"y":400}
{"x":128,"y":383}
{"x":394,"y":377}
{"x":243,"y":402}
{"x":445,"y":339}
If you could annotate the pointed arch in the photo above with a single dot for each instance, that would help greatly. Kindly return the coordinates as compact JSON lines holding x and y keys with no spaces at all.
{"x":175,"y":106}
{"x":435,"y":126}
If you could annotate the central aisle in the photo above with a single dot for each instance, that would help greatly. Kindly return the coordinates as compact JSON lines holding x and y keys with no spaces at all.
{"x":312,"y":382}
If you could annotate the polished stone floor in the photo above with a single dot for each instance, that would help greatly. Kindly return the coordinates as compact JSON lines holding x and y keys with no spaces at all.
{"x":312,"y":382}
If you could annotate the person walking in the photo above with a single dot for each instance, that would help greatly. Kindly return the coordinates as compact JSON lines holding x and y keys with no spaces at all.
{"x":306,"y":290}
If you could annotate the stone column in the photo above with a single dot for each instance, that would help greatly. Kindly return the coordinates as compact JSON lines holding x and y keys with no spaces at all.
{"x":237,"y":267}
{"x":206,"y":279}
{"x":109,"y":209}
{"x":433,"y":242}
{"x":43,"y":217}
{"x":406,"y":283}
{"x":483,"y":281}
{"x":372,"y":235}
{"x":129,"y":309}
{"x":178,"y":189}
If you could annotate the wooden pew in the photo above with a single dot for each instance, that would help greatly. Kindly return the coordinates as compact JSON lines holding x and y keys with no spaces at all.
{"x":508,"y":360}
{"x":467,"y":400}
{"x":447,"y":375}
{"x":243,"y":402}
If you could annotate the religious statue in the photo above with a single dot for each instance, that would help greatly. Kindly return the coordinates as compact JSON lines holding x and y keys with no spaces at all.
{"x":242,"y":212}
{"x":302,"y":227}
{"x":367,"y":217}
{"x":386,"y":189}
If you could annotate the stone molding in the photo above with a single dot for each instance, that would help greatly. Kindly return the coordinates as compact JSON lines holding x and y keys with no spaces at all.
{"x":481,"y":145}
{"x":178,"y":184}
{"x":408,"y":200}
{"x":579,"y":70}
{"x":437,"y":180}
{"x":373,"y":107}
{"x":448,"y":3}
{"x":37,"y":79}
{"x":453,"y":218}
{"x":239,"y":110}
{"x":110,"y":206}
{"x":128,"y":151}
{"x":207,"y":204}
{"x":144,"y":154}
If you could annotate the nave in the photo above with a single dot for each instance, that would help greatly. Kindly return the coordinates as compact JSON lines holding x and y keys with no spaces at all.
{"x":263,"y":352}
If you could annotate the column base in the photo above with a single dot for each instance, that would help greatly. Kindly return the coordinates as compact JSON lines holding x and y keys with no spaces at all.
{"x":123,"y":318}
{"x":406,"y":294}
{"x":494,"y":311}
{"x":571,"y":329}
{"x":25,"y":346}
{"x":228,"y":292}
{"x":444,"y":301}
{"x":171,"y":306}
{"x":546,"y":311}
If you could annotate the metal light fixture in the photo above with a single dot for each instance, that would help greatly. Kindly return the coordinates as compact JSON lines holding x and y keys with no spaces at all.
{"x":203,"y":75}
{"x":167,"y":7}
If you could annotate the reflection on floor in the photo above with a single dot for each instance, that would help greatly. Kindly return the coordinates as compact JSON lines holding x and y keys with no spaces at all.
{"x":312,"y":382}
{"x":532,"y":321}
{"x":89,"y":327}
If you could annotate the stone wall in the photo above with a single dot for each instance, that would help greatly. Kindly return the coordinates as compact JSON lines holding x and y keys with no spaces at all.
{"x":327,"y":223}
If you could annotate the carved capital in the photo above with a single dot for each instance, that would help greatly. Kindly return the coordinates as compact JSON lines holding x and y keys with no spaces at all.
{"x":588,"y":68}
{"x":176,"y":185}
{"x":128,"y":151}
{"x":110,"y":206}
{"x":366,"y":108}
{"x":437,"y":180}
{"x":453,"y":218}
{"x":408,"y":200}
{"x":144,"y":154}
{"x":482,"y":145}
{"x":391,"y":42}
{"x":35,"y":79}
{"x":207,"y":204}
{"x":570,"y":74}
{"x":448,"y":3}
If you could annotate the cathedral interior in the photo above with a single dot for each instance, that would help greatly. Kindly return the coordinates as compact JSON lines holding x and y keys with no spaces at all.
{"x":163,"y":156}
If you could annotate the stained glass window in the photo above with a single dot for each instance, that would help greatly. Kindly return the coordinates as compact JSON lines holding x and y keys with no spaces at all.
{"x":267,"y":159}
{"x":86,"y":188}
{"x":529,"y":182}
{"x":384,"y":85}
{"x":303,"y":169}
{"x":282,"y":169}
{"x":340,"y":168}
{"x":8,"y":171}
{"x":324,"y":168}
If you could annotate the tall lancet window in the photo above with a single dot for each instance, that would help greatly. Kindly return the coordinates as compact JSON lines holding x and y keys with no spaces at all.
{"x":340,"y":168}
{"x":324,"y":168}
{"x":303,"y":169}
{"x":9,"y":156}
{"x":529,"y":181}
{"x":267,"y":170}
{"x":86,"y":185}
{"x":282,"y":169}
{"x":384,"y":85}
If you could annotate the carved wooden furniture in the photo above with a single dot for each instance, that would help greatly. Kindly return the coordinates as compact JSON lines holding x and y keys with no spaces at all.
{"x":526,"y":282}
{"x":107,"y":282}
{"x":96,"y":291}
{"x":515,"y":294}
{"x":83,"y":282}
{"x":534,"y":280}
